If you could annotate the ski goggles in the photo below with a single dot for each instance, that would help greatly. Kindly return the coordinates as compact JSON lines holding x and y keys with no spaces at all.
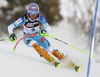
{"x":33,"y":12}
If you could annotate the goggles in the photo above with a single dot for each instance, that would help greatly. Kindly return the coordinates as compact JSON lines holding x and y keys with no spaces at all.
{"x":33,"y":12}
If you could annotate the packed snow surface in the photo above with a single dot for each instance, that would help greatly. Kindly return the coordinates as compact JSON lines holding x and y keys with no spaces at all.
{"x":25,"y":61}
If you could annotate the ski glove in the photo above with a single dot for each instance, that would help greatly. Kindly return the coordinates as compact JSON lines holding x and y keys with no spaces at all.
{"x":43,"y":33}
{"x":12,"y":37}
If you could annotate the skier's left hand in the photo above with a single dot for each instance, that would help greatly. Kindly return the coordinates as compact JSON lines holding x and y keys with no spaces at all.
{"x":43,"y":31}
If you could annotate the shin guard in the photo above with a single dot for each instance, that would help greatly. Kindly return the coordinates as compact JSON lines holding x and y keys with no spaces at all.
{"x":43,"y":53}
{"x":57,"y":54}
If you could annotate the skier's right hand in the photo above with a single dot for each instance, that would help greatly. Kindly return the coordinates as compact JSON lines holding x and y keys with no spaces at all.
{"x":12,"y":37}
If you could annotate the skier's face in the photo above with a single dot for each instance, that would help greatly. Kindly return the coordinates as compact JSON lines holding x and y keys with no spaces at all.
{"x":32,"y":16}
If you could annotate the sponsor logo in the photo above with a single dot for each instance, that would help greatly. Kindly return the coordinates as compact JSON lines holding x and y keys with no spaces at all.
{"x":32,"y":24}
{"x":33,"y":8}
{"x":18,"y":21}
{"x":42,"y":39}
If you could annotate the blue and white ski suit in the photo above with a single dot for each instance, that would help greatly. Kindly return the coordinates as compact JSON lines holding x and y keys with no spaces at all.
{"x":32,"y":26}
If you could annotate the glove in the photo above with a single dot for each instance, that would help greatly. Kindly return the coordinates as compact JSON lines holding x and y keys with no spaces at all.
{"x":43,"y":31}
{"x":12,"y":37}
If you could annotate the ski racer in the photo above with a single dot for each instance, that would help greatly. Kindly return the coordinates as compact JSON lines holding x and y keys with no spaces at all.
{"x":31,"y":25}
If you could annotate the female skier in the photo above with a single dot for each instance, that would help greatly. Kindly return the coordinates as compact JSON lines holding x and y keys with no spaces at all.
{"x":31,"y":25}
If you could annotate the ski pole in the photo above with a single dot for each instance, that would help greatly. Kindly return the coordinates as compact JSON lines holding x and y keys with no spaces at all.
{"x":4,"y":39}
{"x":21,"y":39}
{"x":65,"y":43}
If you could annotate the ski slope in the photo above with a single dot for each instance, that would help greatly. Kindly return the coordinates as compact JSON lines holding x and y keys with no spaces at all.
{"x":25,"y":62}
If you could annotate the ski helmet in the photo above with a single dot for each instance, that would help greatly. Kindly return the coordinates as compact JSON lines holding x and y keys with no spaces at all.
{"x":33,"y":8}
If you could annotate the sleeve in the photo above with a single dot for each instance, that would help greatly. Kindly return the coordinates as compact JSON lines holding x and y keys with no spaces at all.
{"x":45,"y":23}
{"x":15,"y":24}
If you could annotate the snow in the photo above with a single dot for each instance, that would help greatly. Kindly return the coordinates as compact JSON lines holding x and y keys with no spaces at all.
{"x":67,"y":9}
{"x":25,"y":62}
{"x":3,"y":3}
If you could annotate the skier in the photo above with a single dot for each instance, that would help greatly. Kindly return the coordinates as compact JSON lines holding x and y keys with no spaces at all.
{"x":31,"y":25}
